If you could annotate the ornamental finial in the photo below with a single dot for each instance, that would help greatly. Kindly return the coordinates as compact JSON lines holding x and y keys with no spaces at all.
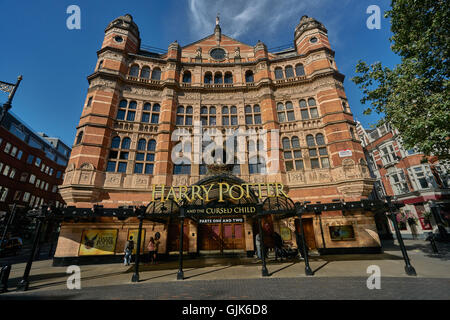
{"x":217,"y":19}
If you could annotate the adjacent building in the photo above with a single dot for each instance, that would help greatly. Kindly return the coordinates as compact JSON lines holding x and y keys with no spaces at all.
{"x":32,"y":166}
{"x":138,"y":98}
{"x":418,"y":182}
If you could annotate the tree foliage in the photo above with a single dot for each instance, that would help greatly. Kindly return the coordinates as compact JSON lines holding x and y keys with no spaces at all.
{"x":414,"y":95}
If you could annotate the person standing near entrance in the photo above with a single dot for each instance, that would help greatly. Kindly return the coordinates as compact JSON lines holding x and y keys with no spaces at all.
{"x":298,"y":238}
{"x":155,"y":253}
{"x":129,"y":246}
{"x":278,"y":244}
{"x":258,"y":246}
{"x":151,"y":250}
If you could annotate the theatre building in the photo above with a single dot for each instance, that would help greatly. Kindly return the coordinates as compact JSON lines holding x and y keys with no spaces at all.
{"x":124,"y":148}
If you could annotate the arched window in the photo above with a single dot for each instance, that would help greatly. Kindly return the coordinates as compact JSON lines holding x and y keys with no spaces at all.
{"x":151,"y":146}
{"x":187,"y":77}
{"x":116,"y":157}
{"x":208,"y":78}
{"x":320,"y":140}
{"x":115,"y":142}
{"x":183,"y":165}
{"x":131,"y":114}
{"x":126,"y":143}
{"x":257,"y":161}
{"x":308,"y":111}
{"x":79,"y":137}
{"x":141,"y":144}
{"x":184,"y":116}
{"x":123,"y":104}
{"x":134,"y":70}
{"x":289,"y":71}
{"x":145,"y":73}
{"x":292,"y":154}
{"x":156,"y":74}
{"x":180,"y":115}
{"x":150,"y":114}
{"x":285,"y":113}
{"x":208,"y":116}
{"x":299,"y":70}
{"x":100,"y":65}
{"x":295,"y":143}
{"x":126,"y":111}
{"x":310,"y":140}
{"x":132,"y":105}
{"x":318,"y":154}
{"x":286,"y":143}
{"x":252,"y":116}
{"x":228,"y":77}
{"x":249,"y":76}
{"x":229,"y":116}
{"x":145,"y":160}
{"x":218,"y":78}
{"x":278,"y":73}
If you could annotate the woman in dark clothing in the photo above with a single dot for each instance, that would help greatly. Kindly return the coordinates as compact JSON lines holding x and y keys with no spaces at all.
{"x":278,"y":244}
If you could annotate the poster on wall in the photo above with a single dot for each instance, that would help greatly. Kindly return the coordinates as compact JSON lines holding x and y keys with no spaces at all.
{"x":98,"y":242}
{"x":426,"y":225}
{"x":285,"y":233}
{"x":342,"y":232}
{"x":134,"y":233}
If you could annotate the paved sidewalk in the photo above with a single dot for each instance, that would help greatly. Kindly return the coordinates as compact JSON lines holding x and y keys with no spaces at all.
{"x":431,"y":268}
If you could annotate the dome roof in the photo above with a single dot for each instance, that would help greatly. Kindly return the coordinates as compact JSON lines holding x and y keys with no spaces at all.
{"x":124,"y":22}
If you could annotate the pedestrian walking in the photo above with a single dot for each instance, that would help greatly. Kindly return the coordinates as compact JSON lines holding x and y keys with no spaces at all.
{"x":298,"y":238}
{"x":151,"y":250}
{"x":155,"y":254}
{"x":129,"y":246}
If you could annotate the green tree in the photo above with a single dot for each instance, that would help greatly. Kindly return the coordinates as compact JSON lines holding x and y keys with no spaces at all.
{"x":414,"y":95}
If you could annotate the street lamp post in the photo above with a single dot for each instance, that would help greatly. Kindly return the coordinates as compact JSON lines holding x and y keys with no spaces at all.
{"x":299,"y":210}
{"x":8,"y":222}
{"x":24,"y":283}
{"x":435,"y":208}
{"x":264,"y":271}
{"x":135,"y":277}
{"x":409,"y":269}
{"x":180,"y":273}
{"x":11,"y":88}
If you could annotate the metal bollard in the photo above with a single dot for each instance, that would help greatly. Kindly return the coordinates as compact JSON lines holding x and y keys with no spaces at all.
{"x":4,"y":276}
{"x":432,"y":242}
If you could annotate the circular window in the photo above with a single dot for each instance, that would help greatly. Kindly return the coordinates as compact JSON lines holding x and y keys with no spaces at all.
{"x":118,"y":39}
{"x":313,"y":40}
{"x":218,"y":54}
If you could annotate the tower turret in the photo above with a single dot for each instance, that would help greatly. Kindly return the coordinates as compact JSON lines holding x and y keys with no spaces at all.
{"x":309,"y":35}
{"x":122,"y":33}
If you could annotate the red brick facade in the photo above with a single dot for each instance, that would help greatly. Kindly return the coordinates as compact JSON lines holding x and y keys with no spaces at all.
{"x":310,"y":93}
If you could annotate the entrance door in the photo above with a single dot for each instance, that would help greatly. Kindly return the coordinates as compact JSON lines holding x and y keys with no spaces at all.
{"x":173,"y":240}
{"x":233,"y":237}
{"x":226,"y":237}
{"x":309,"y":233}
{"x":308,"y":228}
{"x":209,"y":237}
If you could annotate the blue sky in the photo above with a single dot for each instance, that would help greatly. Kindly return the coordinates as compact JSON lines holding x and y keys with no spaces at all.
{"x":55,"y":61}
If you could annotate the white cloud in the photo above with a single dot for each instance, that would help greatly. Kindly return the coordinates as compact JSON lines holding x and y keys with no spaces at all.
{"x":238,"y":17}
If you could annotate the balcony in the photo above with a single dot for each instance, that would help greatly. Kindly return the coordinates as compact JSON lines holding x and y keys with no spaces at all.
{"x":143,"y":80}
